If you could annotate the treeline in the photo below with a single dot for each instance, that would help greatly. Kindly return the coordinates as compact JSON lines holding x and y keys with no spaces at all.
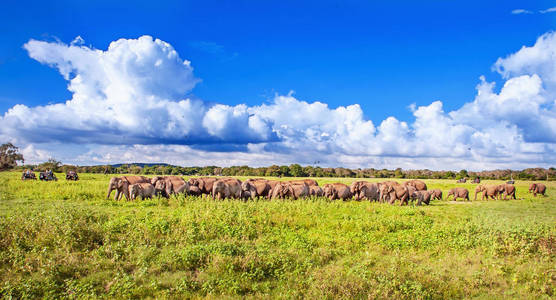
{"x":296,"y":170}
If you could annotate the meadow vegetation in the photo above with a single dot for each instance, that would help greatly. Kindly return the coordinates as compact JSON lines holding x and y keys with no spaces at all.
{"x":65,"y":240}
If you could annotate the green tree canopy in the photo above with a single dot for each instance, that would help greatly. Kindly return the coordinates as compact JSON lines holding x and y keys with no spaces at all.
{"x":9,"y":156}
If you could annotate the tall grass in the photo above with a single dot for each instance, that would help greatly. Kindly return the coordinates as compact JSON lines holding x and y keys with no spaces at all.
{"x":64,"y":240}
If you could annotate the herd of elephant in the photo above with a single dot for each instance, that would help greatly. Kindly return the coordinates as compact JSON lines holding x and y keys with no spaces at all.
{"x":133,"y":187}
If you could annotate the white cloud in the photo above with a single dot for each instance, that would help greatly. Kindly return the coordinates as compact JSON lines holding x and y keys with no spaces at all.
{"x":134,"y":92}
{"x":538,"y":59}
{"x":130,"y":104}
{"x":548,"y":10}
{"x":521,"y":11}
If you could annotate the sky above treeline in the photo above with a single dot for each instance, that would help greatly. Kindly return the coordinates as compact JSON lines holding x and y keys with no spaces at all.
{"x":433,"y":84}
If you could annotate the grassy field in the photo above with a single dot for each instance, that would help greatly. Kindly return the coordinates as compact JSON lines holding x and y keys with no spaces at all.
{"x":64,"y":240}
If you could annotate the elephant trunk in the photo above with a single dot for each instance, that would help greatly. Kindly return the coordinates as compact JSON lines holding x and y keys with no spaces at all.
{"x":110,"y":188}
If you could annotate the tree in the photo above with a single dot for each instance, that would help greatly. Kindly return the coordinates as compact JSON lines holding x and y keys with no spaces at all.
{"x":273,"y":171}
{"x":284,"y":171}
{"x":462,"y":174}
{"x":50,"y":164}
{"x":9,"y":156}
{"x":296,"y":170}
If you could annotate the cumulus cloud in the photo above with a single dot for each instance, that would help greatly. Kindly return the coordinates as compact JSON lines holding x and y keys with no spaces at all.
{"x":134,"y":92}
{"x":130,"y":103}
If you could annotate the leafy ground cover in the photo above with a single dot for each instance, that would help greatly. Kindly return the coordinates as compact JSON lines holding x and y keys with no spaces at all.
{"x":65,"y":240}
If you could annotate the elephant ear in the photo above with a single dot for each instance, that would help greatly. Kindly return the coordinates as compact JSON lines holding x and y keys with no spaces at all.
{"x":120,"y":183}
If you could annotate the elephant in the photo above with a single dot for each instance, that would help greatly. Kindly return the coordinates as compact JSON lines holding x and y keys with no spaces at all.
{"x":256,"y":187}
{"x":463,"y":180}
{"x":410,"y":190}
{"x":316,"y":191}
{"x":417,"y":184}
{"x":308,"y":182}
{"x":189,"y":190}
{"x":422,"y":197}
{"x":364,"y":190}
{"x":458,"y":192}
{"x":390,"y":191}
{"x":394,"y":192}
{"x":386,"y":196}
{"x":336,"y":191}
{"x":436,"y":194}
{"x":477,"y":180}
{"x":121,"y":185}
{"x":507,"y":190}
{"x":537,"y":188}
{"x":203,"y":183}
{"x":487,"y":190}
{"x":246,"y":195}
{"x":226,"y":188}
{"x":143,"y":190}
{"x":272,"y":184}
{"x":294,"y":191}
{"x":168,"y":185}
{"x":72,"y":175}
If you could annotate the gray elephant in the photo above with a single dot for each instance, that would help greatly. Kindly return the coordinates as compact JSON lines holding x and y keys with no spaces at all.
{"x":334,"y":191}
{"x":316,"y":191}
{"x":364,"y":190}
{"x":537,"y":188}
{"x":189,"y":190}
{"x":283,"y":190}
{"x":421,"y":197}
{"x":256,"y":187}
{"x":458,"y":193}
{"x":121,"y":185}
{"x":417,"y":184}
{"x":394,"y":191}
{"x":168,"y":185}
{"x":506,"y":190}
{"x":308,"y":182}
{"x":226,"y":188}
{"x":203,"y":183}
{"x":491,"y":191}
{"x":143,"y":190}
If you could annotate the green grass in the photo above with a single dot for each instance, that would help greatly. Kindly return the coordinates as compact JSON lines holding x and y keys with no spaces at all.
{"x":64,"y":240}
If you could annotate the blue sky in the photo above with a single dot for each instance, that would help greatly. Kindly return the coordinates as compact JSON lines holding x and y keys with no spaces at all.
{"x":383,"y":56}
{"x":340,"y":52}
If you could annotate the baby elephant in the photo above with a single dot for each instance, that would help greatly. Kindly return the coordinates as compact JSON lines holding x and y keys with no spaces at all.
{"x":422,"y":197}
{"x":458,"y":193}
{"x":436,"y":194}
{"x":143,"y":190}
